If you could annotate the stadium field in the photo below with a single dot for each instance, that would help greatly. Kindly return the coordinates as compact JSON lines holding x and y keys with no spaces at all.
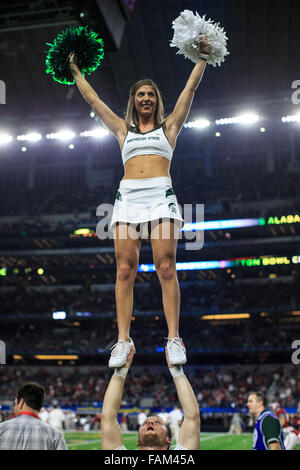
{"x":209,"y":441}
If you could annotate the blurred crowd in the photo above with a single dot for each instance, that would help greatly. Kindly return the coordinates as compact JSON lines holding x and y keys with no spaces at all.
{"x":229,"y":296}
{"x":226,"y":386}
{"x":264,"y":329}
{"x":214,"y":387}
{"x":239,"y":187}
{"x":94,"y":335}
{"x":199,"y":336}
{"x":38,"y":224}
{"x":258,"y":295}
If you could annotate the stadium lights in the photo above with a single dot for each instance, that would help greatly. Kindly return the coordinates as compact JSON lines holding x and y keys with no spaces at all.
{"x":61,"y":135}
{"x":216,"y":224}
{"x":99,"y":132}
{"x":44,"y":357}
{"x":199,"y":124}
{"x":223,"y":224}
{"x":228,"y":263}
{"x":59,"y":315}
{"x":84,"y":314}
{"x":226,"y":316}
{"x":247,"y":118}
{"x":5,"y":138}
{"x":31,"y":137}
{"x":83,"y":231}
{"x":295,"y":117}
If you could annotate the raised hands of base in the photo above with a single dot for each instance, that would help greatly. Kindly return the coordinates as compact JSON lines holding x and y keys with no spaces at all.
{"x":130,"y":358}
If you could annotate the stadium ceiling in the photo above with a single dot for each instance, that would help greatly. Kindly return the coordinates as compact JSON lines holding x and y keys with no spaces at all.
{"x":263,"y":42}
{"x":21,"y":15}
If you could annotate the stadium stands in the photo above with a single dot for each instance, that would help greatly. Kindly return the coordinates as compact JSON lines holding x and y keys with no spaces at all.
{"x":238,"y":323}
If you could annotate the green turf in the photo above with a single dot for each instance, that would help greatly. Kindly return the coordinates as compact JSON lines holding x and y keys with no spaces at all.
{"x":209,"y":441}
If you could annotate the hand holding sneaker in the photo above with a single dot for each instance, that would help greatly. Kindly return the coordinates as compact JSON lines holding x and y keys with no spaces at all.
{"x":120,"y":352}
{"x":176,"y":351}
{"x":130,"y":358}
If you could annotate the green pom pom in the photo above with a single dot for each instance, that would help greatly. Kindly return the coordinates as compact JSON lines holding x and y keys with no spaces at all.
{"x":86,"y":45}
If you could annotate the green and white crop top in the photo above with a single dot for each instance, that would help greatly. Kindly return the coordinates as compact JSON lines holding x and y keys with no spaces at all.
{"x":152,"y":142}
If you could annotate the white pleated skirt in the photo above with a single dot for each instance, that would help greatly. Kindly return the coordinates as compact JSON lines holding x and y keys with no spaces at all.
{"x":139,"y":201}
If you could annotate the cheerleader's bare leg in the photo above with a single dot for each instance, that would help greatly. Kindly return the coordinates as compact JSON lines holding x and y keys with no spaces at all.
{"x":164,"y":240}
{"x":127,"y":249}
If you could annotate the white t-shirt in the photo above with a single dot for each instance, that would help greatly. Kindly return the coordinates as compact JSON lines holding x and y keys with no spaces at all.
{"x":164,"y":416}
{"x":178,"y":447}
{"x":44,"y":415}
{"x":141,"y":418}
{"x":56,"y":418}
{"x":175,"y":416}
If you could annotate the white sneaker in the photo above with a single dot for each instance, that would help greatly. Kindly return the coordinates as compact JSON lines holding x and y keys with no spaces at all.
{"x":119,"y":353}
{"x":176,"y":351}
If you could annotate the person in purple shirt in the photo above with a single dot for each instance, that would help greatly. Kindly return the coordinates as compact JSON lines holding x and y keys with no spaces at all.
{"x":267,"y":433}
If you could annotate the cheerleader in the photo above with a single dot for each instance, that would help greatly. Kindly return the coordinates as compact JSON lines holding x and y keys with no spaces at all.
{"x":145,"y":203}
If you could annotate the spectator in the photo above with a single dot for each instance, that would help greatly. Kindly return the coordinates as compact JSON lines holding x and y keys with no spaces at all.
{"x":164,"y":415}
{"x":236,"y":424}
{"x":26,"y":431}
{"x":56,"y":418}
{"x":124,"y":422}
{"x":268,"y":433}
{"x":175,"y":420}
{"x":141,"y":418}
{"x":44,"y":415}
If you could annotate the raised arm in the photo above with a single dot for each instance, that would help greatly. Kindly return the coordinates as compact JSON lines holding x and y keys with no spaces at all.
{"x":109,"y":119}
{"x":111,"y":435}
{"x":177,"y":118}
{"x":189,"y":433}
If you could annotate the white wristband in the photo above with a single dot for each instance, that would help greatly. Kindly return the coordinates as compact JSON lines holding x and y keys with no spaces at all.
{"x":176,"y":371}
{"x":203,"y":56}
{"x":121,"y":372}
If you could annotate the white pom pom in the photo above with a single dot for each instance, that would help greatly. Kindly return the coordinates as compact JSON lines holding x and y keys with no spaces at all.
{"x":188,"y":30}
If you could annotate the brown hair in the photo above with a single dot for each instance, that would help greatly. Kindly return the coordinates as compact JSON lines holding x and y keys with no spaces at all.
{"x":260,"y":396}
{"x":131,"y":116}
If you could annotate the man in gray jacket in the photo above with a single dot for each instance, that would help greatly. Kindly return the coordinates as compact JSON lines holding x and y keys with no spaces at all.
{"x":26,"y":431}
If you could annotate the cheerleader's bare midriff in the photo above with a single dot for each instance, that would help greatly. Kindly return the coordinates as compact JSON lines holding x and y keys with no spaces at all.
{"x":146,"y":166}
